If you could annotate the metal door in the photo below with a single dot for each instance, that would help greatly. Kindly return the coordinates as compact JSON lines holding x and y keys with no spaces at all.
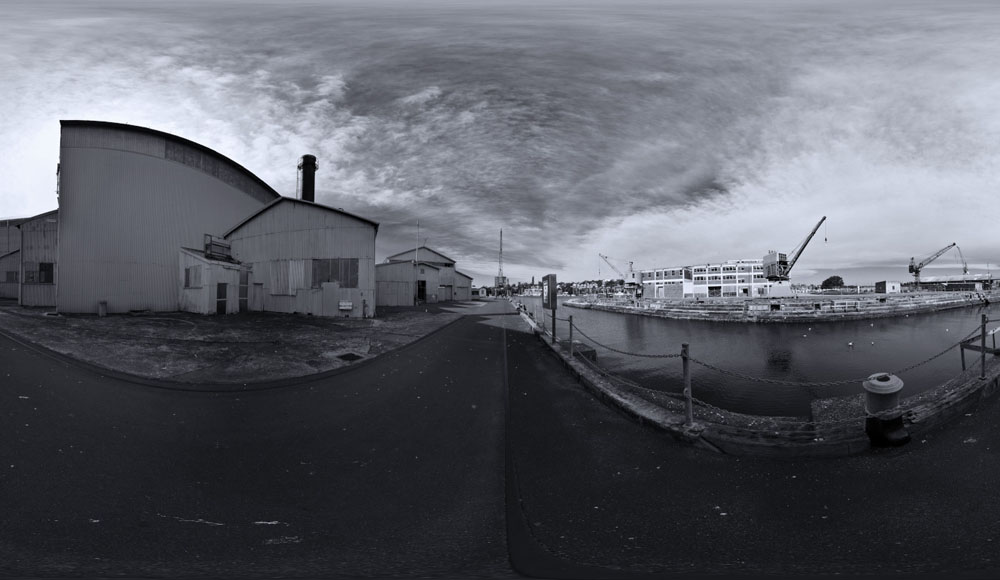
{"x":220,"y":298}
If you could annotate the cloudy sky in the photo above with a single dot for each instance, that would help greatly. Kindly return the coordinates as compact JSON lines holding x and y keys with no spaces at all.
{"x":662,"y":133}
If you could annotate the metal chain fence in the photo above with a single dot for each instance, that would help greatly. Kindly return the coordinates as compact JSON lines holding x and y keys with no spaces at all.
{"x":776,"y":425}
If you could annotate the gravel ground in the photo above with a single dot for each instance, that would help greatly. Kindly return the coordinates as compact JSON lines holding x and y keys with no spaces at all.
{"x":243,"y":348}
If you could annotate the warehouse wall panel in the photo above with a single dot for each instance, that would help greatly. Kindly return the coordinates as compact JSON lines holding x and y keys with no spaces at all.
{"x":126,"y":210}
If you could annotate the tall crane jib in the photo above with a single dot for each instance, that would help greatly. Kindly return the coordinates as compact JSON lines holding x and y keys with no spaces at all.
{"x":916,"y":267}
{"x":778,"y":265}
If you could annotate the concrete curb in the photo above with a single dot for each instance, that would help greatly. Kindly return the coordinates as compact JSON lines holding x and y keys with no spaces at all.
{"x":209,"y":387}
{"x":942,"y":406}
{"x":643,"y":411}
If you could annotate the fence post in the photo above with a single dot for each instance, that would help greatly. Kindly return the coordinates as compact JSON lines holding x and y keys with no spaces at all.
{"x":688,"y":405}
{"x":571,"y":337}
{"x":982,"y":352}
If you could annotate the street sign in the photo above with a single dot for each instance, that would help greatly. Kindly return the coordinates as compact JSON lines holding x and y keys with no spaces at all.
{"x":549,"y":292}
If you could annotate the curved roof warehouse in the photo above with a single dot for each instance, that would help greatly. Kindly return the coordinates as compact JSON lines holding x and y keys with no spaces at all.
{"x":130,"y":198}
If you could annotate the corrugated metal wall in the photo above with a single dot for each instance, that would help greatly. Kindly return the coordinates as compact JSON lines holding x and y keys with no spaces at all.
{"x":10,"y":237}
{"x":390,"y":293}
{"x":463,"y":288}
{"x":299,"y":233}
{"x":39,"y":244}
{"x":126,"y":210}
{"x":203,"y":299}
{"x":10,"y":263}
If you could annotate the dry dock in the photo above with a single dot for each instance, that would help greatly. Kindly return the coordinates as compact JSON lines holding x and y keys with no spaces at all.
{"x":801,"y":308}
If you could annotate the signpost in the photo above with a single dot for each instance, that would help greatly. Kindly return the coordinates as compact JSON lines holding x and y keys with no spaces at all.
{"x":549,"y":299}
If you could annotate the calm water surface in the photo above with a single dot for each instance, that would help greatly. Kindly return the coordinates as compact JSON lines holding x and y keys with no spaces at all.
{"x":799,"y":352}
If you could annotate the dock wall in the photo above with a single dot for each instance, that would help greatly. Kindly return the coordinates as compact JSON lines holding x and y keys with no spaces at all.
{"x":835,"y":429}
{"x":798,"y":309}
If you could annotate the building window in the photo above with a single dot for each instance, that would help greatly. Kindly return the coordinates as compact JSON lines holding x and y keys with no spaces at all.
{"x":192,"y":277}
{"x":39,"y":273}
{"x":342,"y":270}
{"x":11,"y":276}
{"x":285,"y":277}
{"x":422,"y":271}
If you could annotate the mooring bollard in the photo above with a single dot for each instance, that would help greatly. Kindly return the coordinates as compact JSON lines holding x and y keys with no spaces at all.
{"x":881,"y":395}
{"x":688,"y":404}
{"x":982,"y":351}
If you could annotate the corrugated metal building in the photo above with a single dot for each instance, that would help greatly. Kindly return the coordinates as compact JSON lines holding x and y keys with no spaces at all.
{"x":308,"y":258}
{"x":129,"y":199}
{"x":446,"y":271}
{"x":10,"y":274}
{"x":10,"y":235}
{"x":39,"y":272}
{"x":463,"y":286}
{"x":210,"y":285}
{"x":395,"y":280}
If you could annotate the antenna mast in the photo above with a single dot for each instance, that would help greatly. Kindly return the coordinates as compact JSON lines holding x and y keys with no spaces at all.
{"x":501,"y":281}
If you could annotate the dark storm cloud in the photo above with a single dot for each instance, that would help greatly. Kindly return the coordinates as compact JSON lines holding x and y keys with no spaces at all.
{"x":660,"y":133}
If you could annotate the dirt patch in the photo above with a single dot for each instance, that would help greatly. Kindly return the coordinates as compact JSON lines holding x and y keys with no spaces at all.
{"x":242,"y":348}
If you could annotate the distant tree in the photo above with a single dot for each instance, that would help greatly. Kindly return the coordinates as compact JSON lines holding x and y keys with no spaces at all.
{"x":832,"y":282}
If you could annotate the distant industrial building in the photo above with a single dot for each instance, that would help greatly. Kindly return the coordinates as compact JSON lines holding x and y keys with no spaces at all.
{"x":39,"y":256}
{"x":420,"y":275}
{"x":731,"y":279}
{"x":887,"y":287}
{"x":957,"y":283}
{"x":395,"y":283}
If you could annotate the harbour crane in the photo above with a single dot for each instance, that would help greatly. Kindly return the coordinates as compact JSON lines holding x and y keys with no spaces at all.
{"x":778,"y":265}
{"x":915,"y":267}
{"x":630,"y":279}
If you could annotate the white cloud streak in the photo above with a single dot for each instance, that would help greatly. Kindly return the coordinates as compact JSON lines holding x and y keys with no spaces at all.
{"x":662,"y":134}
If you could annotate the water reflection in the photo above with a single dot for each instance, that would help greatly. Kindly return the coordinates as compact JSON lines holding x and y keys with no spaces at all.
{"x":844,"y":352}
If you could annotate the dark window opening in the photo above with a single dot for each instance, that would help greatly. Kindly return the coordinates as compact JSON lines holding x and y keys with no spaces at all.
{"x":342,"y":270}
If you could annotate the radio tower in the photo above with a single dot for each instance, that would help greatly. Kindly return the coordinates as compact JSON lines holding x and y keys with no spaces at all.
{"x":501,"y":282}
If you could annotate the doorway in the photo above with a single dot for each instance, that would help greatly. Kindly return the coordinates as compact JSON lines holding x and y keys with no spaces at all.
{"x":220,"y":298}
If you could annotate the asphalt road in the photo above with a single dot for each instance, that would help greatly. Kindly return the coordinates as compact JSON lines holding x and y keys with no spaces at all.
{"x":395,"y":468}
{"x":453,"y":457}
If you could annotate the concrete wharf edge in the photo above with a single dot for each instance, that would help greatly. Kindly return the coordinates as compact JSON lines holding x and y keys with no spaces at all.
{"x":802,"y":308}
{"x":935,"y":408}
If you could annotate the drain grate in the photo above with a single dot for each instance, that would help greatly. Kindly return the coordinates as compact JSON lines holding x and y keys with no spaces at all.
{"x":350,"y":356}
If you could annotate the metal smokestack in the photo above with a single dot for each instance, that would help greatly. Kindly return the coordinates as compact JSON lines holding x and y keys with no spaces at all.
{"x":308,"y":166}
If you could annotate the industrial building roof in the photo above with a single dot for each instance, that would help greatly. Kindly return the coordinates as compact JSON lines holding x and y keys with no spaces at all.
{"x":957,"y":278}
{"x":302,"y":201}
{"x":464,"y":275}
{"x":398,"y":262}
{"x":41,"y":215}
{"x":404,"y":253}
{"x":137,"y":129}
